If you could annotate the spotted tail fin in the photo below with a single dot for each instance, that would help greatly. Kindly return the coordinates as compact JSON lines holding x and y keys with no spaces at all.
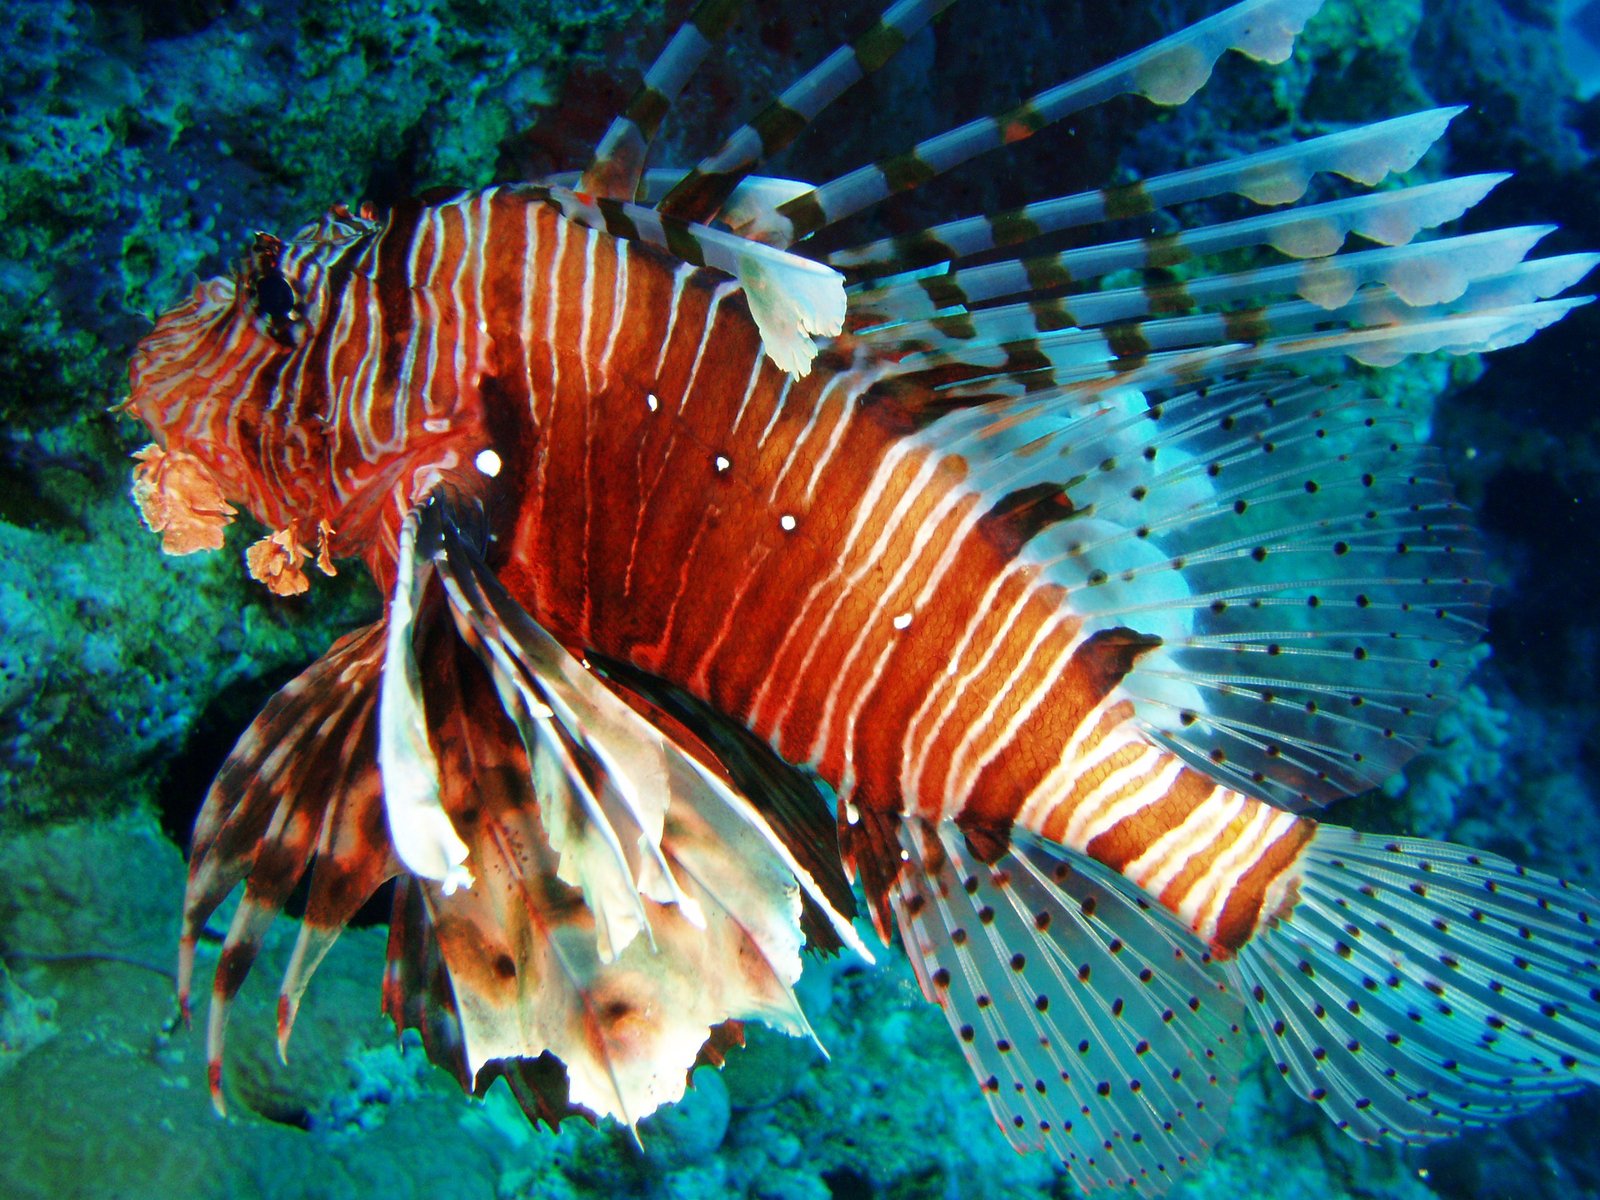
{"x":1413,"y":989}
{"x":1096,"y":1025}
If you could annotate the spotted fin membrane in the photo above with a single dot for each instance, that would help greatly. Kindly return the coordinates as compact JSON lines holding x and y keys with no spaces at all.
{"x":1417,"y":989}
{"x":1096,"y":1023}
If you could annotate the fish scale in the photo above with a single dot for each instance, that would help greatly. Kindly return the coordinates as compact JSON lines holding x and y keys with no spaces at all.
{"x":1075,"y":596}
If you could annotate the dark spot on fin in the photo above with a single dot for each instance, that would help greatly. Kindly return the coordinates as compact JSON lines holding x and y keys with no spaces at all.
{"x":987,"y":840}
{"x":1110,"y":654}
{"x":1021,"y":515}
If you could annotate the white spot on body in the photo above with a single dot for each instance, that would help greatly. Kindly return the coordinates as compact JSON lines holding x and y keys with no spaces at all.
{"x":788,"y":523}
{"x":652,"y":402}
{"x":903,"y":621}
{"x":541,"y":711}
{"x":488,"y":462}
{"x":722,"y":463}
{"x":483,"y":327}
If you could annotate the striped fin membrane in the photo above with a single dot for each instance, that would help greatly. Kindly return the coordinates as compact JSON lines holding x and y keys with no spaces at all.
{"x":1167,"y":72}
{"x":301,"y":782}
{"x":1375,"y":306}
{"x":927,"y":313}
{"x":1390,"y":218}
{"x":1367,"y":154}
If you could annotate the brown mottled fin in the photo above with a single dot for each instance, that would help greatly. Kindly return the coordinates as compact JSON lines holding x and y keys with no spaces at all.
{"x":300,"y":782}
{"x":619,"y":159}
{"x":614,"y":874}
{"x":522,"y":947}
{"x":1096,"y":1025}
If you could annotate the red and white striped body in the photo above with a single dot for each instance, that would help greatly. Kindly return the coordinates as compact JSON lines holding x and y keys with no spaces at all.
{"x":805,"y":554}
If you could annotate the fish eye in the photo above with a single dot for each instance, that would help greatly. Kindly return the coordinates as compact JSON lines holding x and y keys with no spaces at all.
{"x":273,"y":297}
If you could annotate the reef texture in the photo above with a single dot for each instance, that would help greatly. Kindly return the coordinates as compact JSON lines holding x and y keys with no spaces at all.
{"x":140,"y":144}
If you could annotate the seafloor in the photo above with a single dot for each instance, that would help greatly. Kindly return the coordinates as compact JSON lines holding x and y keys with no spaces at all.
{"x":141,"y":143}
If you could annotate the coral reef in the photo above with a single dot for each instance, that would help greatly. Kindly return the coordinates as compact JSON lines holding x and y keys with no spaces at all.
{"x":139,"y":146}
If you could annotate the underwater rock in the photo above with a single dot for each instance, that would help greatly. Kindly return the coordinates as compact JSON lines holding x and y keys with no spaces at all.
{"x":25,"y":1021}
{"x":690,"y":1130}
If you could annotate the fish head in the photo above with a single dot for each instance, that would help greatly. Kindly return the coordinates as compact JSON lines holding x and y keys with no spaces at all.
{"x":216,"y":381}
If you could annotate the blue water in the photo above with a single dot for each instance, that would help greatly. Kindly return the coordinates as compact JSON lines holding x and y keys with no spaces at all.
{"x":140,"y":147}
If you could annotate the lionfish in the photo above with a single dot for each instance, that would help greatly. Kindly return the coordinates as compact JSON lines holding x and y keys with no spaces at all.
{"x":1077,"y":593}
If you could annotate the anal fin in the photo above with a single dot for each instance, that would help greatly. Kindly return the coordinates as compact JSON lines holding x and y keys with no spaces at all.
{"x":1096,"y":1024}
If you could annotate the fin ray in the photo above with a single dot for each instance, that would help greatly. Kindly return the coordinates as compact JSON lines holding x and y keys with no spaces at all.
{"x":1166,"y":72}
{"x":1411,"y":1011}
{"x":620,"y":156}
{"x":1091,"y":1018}
{"x":1367,"y":155}
{"x":700,"y":194}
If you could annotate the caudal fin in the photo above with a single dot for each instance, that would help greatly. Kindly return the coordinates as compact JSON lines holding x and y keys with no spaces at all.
{"x":1413,"y":988}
